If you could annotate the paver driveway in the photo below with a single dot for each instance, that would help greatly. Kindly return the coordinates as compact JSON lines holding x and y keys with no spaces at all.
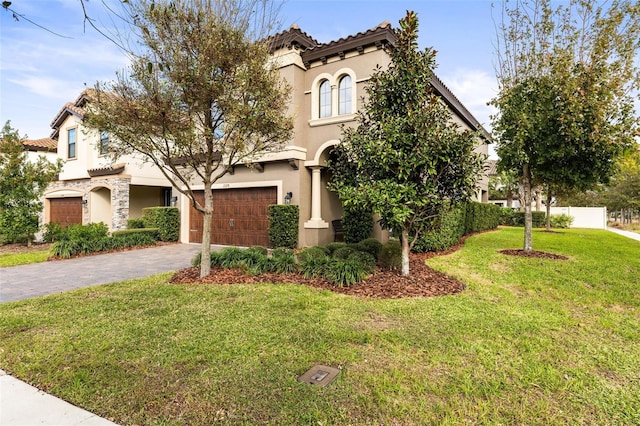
{"x":39,"y":279}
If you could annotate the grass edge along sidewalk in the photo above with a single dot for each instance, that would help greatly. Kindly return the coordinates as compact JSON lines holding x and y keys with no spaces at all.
{"x":531,"y":341}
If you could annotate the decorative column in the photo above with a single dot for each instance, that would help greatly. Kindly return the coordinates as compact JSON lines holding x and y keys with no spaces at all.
{"x":316,"y":200}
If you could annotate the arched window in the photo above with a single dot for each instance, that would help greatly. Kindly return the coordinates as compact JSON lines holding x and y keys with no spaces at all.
{"x":325,"y":99}
{"x":344,"y":95}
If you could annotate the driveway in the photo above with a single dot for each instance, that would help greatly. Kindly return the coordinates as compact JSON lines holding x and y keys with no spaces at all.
{"x":39,"y":279}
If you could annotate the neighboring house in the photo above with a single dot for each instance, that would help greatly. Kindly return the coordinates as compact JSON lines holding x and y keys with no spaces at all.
{"x":327,"y":81}
{"x":46,"y":147}
{"x":90,"y":187}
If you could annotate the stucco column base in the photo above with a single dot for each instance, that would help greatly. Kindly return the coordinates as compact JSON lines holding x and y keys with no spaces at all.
{"x":316,"y":224}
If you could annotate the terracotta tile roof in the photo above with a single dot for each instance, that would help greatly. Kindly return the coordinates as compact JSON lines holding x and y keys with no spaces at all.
{"x":71,"y":108}
{"x":381,"y":35}
{"x":293,"y":37}
{"x":44,"y":144}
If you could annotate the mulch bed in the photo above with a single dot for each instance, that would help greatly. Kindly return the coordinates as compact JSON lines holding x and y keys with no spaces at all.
{"x":384,"y":284}
{"x":534,"y":254}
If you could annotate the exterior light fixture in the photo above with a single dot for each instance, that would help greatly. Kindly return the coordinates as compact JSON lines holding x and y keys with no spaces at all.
{"x":288,"y":197}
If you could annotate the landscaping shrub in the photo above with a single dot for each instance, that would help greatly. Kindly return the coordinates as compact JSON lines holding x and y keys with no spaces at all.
{"x":560,"y":220}
{"x":283,"y":225}
{"x":332,"y":247}
{"x":366,"y":260}
{"x":538,"y":219}
{"x":370,"y":245}
{"x":310,"y":252}
{"x":151,"y":232}
{"x":134,"y":239}
{"x":135,"y":223}
{"x":481,"y":217}
{"x":230,"y":257}
{"x":53,"y":232}
{"x":342,"y":253}
{"x":357,"y":222}
{"x":314,"y":267}
{"x":506,"y":216}
{"x":166,"y":219}
{"x":283,"y":261}
{"x":345,"y":272}
{"x":445,"y":231}
{"x":391,"y":255}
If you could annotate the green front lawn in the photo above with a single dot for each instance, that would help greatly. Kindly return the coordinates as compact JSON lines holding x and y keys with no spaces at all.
{"x":15,"y":259}
{"x":530,"y":341}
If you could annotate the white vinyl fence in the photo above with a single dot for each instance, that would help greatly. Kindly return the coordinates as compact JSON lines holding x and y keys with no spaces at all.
{"x":584,"y":217}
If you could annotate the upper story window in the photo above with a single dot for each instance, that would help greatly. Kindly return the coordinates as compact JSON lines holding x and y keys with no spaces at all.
{"x":104,"y":143}
{"x":325,"y":99}
{"x":344,"y":95}
{"x":71,"y":143}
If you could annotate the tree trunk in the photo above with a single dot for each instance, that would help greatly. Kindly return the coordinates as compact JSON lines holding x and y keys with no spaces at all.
{"x":205,"y":263}
{"x":528,"y":219}
{"x":548,"y":218}
{"x":404,"y":240}
{"x":538,"y":198}
{"x":509,"y":199}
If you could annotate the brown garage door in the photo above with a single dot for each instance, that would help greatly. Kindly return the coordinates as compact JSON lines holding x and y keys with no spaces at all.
{"x":66,"y":210}
{"x":240,"y":217}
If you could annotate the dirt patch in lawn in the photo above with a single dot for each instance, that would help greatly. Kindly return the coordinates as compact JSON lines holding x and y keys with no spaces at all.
{"x":423,"y":281}
{"x":23,"y":248}
{"x":534,"y":254}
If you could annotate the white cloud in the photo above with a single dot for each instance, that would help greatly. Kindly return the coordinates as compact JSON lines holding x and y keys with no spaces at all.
{"x":474,"y":88}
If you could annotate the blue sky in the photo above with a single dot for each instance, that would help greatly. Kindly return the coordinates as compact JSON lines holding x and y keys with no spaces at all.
{"x":40,"y":72}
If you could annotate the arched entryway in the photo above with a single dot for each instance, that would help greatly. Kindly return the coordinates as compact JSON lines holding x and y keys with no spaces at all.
{"x":100,"y":206}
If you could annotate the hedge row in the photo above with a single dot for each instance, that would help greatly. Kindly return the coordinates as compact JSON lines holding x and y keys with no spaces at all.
{"x":456,"y":222}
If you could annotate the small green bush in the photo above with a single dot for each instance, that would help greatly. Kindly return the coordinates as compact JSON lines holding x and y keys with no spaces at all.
{"x":357,"y":222}
{"x":230,"y":257}
{"x":135,"y":223}
{"x":283,"y":260}
{"x":537,"y":218}
{"x":343,"y":253}
{"x":370,"y":245}
{"x":151,"y":232}
{"x":560,"y":220}
{"x":507,"y":216}
{"x":53,"y":232}
{"x":366,"y":260}
{"x":283,"y":225}
{"x":308,"y":252}
{"x":391,"y":255}
{"x":64,"y":249}
{"x":165,"y":219}
{"x":315,"y":267}
{"x":332,"y":247}
{"x":345,"y":273}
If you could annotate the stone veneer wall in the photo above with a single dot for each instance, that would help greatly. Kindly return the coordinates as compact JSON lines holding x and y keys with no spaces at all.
{"x":119,"y":188}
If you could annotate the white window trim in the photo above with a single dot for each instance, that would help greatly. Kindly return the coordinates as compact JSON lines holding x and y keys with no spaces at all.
{"x":334,"y":80}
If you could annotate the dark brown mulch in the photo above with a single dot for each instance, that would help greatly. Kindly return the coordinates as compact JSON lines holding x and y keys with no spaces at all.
{"x":535,"y":254}
{"x":423,"y":281}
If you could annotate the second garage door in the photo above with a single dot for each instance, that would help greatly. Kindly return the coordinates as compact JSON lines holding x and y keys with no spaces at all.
{"x":240,"y":217}
{"x":66,"y":210}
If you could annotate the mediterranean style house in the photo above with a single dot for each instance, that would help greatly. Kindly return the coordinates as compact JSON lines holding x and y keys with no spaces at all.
{"x":90,"y":188}
{"x":327,"y":83}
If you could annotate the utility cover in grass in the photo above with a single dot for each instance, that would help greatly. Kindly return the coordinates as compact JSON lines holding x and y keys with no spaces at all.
{"x":319,"y":375}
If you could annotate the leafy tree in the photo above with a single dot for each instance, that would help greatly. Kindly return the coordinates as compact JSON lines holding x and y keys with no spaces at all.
{"x":504,"y":185}
{"x":406,"y":157}
{"x":565,"y":109}
{"x":624,"y":190}
{"x":202,"y":97}
{"x":22,"y":184}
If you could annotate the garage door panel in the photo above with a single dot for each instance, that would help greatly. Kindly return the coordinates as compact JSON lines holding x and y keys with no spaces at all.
{"x":65,"y":211}
{"x":240,"y":216}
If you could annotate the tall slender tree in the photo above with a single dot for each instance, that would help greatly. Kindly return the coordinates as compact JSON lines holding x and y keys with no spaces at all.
{"x":406,"y":158}
{"x":567,"y":81}
{"x":202,"y":95}
{"x":22,"y":184}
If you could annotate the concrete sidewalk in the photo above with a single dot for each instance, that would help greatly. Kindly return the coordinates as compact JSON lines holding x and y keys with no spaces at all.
{"x":23,"y":405}
{"x":20,"y":403}
{"x":628,"y":234}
